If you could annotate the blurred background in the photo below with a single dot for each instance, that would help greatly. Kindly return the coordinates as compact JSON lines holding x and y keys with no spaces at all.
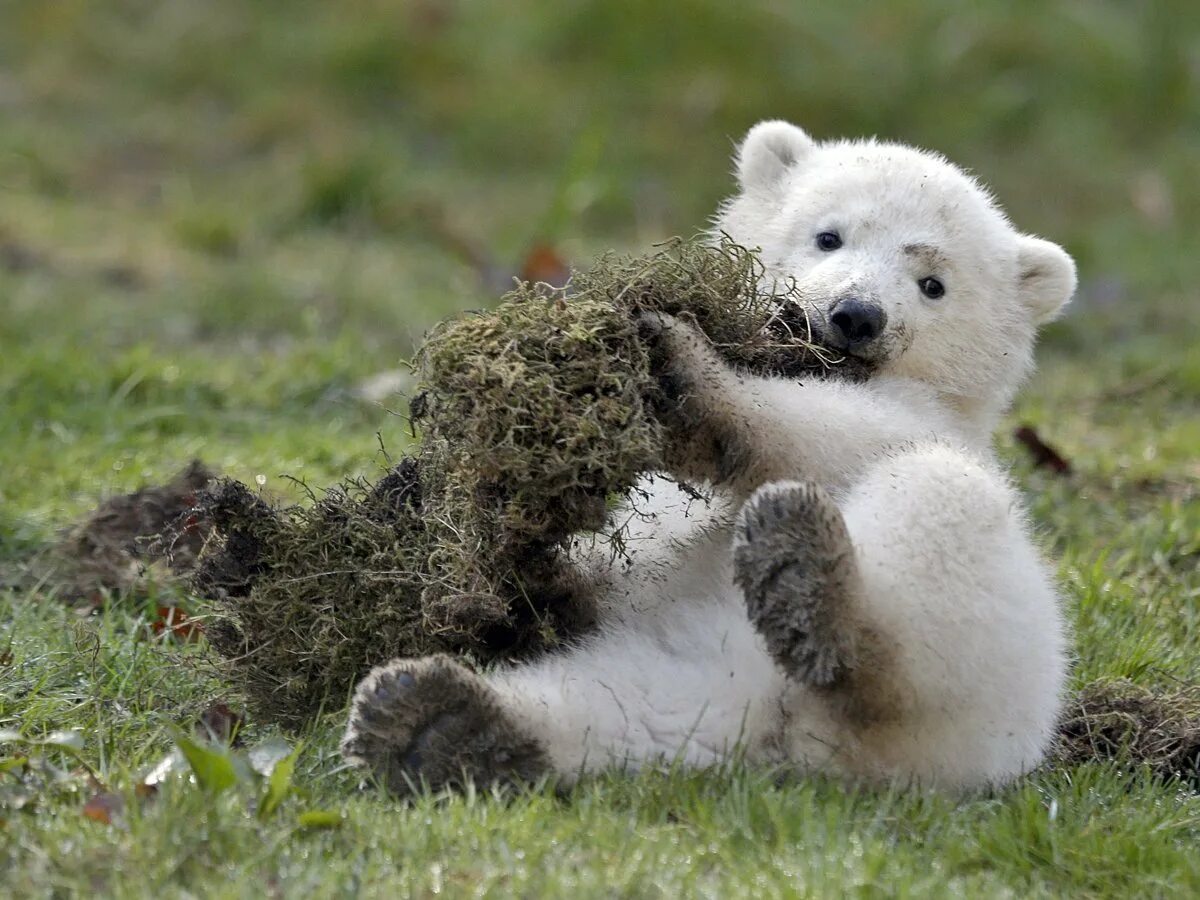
{"x":220,"y":219}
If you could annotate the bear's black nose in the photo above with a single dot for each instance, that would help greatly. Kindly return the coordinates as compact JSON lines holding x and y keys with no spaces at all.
{"x":855,"y":323}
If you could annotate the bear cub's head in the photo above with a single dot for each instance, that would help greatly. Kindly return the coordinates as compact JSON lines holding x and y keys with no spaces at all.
{"x":899,"y":258}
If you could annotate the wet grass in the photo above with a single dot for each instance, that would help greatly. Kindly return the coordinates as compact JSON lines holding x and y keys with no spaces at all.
{"x":217,"y":219}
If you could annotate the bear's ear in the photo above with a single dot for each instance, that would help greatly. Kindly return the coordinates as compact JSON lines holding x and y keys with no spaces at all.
{"x":768,"y":151}
{"x":1047,"y":276}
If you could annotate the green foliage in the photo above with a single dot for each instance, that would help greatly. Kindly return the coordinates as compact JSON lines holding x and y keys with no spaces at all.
{"x":212,"y":766}
{"x":278,"y":785}
{"x":215,"y":224}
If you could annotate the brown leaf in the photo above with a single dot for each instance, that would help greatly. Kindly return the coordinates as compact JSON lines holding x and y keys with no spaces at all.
{"x":430,"y":18}
{"x":222,"y":724}
{"x":1043,"y":455}
{"x":174,"y":622}
{"x":103,"y":807}
{"x":543,"y":264}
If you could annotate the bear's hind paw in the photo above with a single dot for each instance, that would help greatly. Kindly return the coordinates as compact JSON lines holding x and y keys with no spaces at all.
{"x":795,"y":565}
{"x":431,"y":721}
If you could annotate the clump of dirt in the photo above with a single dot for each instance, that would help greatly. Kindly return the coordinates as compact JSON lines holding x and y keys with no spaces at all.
{"x":534,"y":416}
{"x":129,"y":541}
{"x":244,"y":527}
{"x":1119,"y":720}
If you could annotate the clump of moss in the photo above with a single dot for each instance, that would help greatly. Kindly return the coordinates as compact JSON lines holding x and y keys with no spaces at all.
{"x":534,"y":416}
{"x":310,"y":590}
{"x":1119,"y":720}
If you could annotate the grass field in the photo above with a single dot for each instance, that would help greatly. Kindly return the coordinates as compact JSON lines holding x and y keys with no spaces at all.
{"x":217,"y":219}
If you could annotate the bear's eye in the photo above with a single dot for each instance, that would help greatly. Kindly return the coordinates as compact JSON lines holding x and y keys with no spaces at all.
{"x":829,"y":240}
{"x":931,"y":288}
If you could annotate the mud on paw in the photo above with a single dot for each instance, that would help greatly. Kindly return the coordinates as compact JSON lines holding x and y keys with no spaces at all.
{"x":795,"y":565}
{"x":433,"y":722}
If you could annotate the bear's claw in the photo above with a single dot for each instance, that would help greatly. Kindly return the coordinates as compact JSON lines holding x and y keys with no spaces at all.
{"x":795,"y":565}
{"x":433,"y":722}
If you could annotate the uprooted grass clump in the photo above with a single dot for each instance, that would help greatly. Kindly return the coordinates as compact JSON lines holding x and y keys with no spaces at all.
{"x":534,"y":416}
{"x":1134,"y":725}
{"x":310,"y":589}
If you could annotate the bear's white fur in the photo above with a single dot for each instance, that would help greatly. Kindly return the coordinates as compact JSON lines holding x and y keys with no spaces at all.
{"x":934,"y":650}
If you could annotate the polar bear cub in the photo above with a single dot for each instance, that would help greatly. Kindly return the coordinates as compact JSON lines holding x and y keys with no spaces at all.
{"x":861,"y":596}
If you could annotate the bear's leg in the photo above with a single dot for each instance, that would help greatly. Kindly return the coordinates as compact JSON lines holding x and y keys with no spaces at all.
{"x":919,"y":614}
{"x":796,"y":568}
{"x":432,"y":720}
{"x":799,"y":573}
{"x":695,"y":687}
{"x":699,"y":688}
{"x":964,"y":646}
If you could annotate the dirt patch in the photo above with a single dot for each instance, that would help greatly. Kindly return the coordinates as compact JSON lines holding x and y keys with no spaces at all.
{"x":129,"y":541}
{"x":535,"y":416}
{"x":1138,"y":726}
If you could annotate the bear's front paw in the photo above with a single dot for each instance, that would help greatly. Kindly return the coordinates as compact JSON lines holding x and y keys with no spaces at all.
{"x":432,"y":722}
{"x":687,"y":368}
{"x":696,"y":401}
{"x":795,"y":565}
